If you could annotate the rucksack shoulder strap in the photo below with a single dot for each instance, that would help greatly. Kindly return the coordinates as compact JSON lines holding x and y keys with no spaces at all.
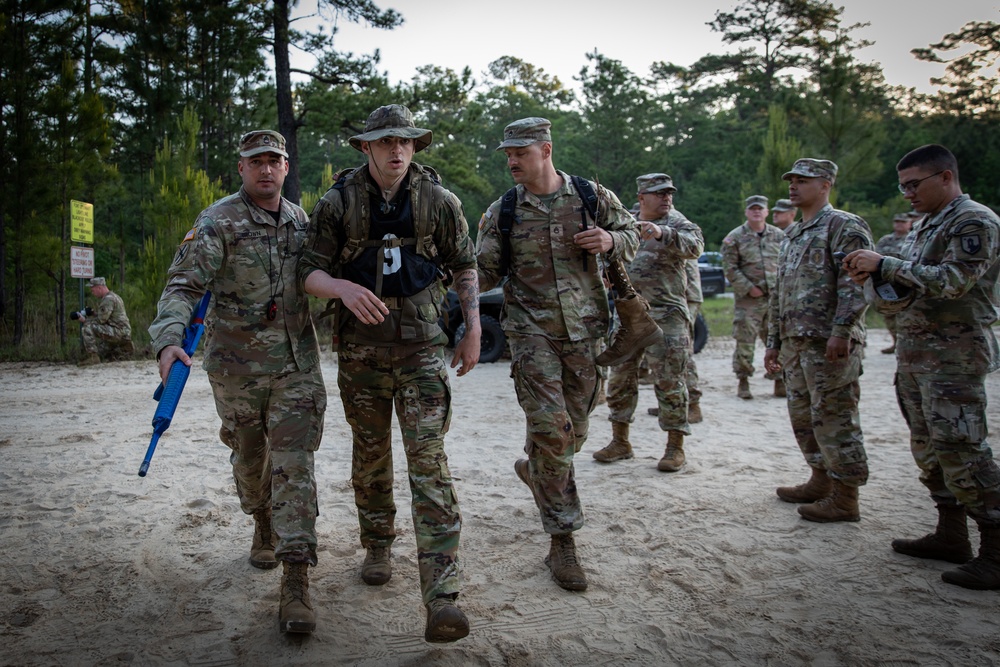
{"x":587,"y":194}
{"x":508,"y":205}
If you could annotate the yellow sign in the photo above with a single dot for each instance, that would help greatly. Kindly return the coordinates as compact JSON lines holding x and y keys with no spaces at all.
{"x":81,"y":215}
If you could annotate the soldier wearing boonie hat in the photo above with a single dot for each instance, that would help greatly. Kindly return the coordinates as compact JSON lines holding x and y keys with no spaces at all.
{"x":392,"y":120}
{"x":783,"y":214}
{"x":816,"y":326}
{"x":750,"y":261}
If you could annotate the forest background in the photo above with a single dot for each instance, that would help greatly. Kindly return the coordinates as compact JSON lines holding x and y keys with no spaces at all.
{"x":137,"y":106}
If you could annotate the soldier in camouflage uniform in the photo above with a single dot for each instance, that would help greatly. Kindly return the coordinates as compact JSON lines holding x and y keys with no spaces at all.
{"x":695,"y":299}
{"x":659,"y":273}
{"x":379,"y":243}
{"x":947,"y":299}
{"x":816,"y":323}
{"x":783,"y":214}
{"x":262,"y":360}
{"x":750,"y":260}
{"x":556,"y":317}
{"x":109,"y":334}
{"x":891,"y":245}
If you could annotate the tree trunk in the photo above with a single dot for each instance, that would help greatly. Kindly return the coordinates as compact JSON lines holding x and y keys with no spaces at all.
{"x":287,"y":124}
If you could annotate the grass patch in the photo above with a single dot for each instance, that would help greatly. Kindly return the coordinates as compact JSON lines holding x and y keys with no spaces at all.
{"x":718,"y":311}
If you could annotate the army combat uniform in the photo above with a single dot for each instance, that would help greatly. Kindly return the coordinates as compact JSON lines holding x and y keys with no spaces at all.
{"x":261,"y":356}
{"x":695,"y":299}
{"x":396,"y":253}
{"x":890,"y":245}
{"x":108,"y":333}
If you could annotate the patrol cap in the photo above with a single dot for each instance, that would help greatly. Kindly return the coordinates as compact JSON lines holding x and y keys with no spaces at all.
{"x":635,"y":209}
{"x":256,"y":142}
{"x":97,"y":282}
{"x":783,"y":205}
{"x":654,"y":183}
{"x":812,"y":168}
{"x":525,"y":132}
{"x":392,"y":120}
{"x":756,"y":200}
{"x":902,"y":217}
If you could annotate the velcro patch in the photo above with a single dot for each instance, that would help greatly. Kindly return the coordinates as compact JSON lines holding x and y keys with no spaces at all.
{"x":189,"y":235}
{"x":971,"y":243}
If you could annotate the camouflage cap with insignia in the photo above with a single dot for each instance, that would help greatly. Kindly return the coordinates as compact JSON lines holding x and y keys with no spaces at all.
{"x":256,"y":142}
{"x":756,"y":200}
{"x":783,"y":205}
{"x":812,"y":168}
{"x":525,"y":132}
{"x":654,"y":183}
{"x":97,"y":282}
{"x":393,"y":120}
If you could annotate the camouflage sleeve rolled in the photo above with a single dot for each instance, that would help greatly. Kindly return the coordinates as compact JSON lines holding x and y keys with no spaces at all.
{"x":615,"y":219}
{"x":322,"y":242}
{"x":488,"y":243}
{"x":451,"y":237}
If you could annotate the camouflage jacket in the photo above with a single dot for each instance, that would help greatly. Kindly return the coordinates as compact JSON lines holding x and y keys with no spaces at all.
{"x":659,"y":270}
{"x":236,"y":251}
{"x":951,"y":262}
{"x":890,"y":245}
{"x":813,"y":297}
{"x":548,"y":292}
{"x":693,"y":293}
{"x":750,"y":259}
{"x":111,"y":311}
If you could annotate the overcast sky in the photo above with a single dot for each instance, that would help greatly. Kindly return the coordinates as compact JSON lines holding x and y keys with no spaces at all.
{"x":555,"y":35}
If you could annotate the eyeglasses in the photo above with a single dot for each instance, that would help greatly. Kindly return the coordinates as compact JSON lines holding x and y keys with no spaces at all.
{"x":660,"y":194}
{"x":911,"y":186}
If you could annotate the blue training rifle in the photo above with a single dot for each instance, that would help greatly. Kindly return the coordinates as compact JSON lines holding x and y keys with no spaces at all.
{"x":168,"y":395}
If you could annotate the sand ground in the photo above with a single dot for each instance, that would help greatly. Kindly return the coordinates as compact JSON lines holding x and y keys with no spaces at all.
{"x":703,"y":567}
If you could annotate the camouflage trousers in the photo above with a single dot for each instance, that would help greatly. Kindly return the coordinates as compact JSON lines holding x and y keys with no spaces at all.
{"x":947,"y":419}
{"x":414,"y":378}
{"x":668,"y":362}
{"x":691,"y":372}
{"x":749,"y":326}
{"x":273,"y":424}
{"x":823,"y":407}
{"x":105,"y":340}
{"x":556,"y":385}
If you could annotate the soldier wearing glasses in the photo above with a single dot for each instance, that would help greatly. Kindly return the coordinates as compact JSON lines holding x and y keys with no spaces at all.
{"x":945,"y":284}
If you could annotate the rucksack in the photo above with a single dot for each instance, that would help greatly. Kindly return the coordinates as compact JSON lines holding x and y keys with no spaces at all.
{"x":508,"y":204}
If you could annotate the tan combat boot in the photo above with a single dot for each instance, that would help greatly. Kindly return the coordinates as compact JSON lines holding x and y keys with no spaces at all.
{"x":637,"y":332}
{"x":91,"y":359}
{"x":445,"y":621}
{"x":743,"y":390}
{"x":840,"y":505}
{"x":694,"y":413}
{"x":818,"y":487}
{"x":264,"y":541}
{"x":673,"y":458}
{"x":377,"y":568}
{"x":619,"y":448}
{"x":563,"y":563}
{"x":948,"y":542}
{"x":296,"y":613}
{"x":982,"y":573}
{"x":779,"y":388}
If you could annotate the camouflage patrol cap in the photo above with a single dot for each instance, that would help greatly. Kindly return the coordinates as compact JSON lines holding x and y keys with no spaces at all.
{"x":902,"y":217}
{"x":256,"y":142}
{"x":525,"y":132}
{"x":654,"y":183}
{"x":756,"y":200}
{"x":97,"y":282}
{"x":914,"y":214}
{"x":783,"y":205}
{"x":392,"y":120}
{"x":812,"y":168}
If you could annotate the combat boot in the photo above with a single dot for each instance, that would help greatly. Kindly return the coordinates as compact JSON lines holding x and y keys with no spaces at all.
{"x":694,"y":413}
{"x":779,"y":388}
{"x":377,"y":568}
{"x":840,"y":505}
{"x":445,"y":621}
{"x":948,"y":542}
{"x":264,"y":541}
{"x":743,"y":390}
{"x":673,"y":458}
{"x":619,"y":448}
{"x":296,"y":613}
{"x":982,"y":573}
{"x":91,"y":359}
{"x":818,"y":487}
{"x":563,"y":563}
{"x":637,"y":332}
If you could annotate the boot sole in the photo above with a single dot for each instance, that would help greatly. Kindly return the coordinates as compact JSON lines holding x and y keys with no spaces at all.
{"x":264,"y":564}
{"x":817,"y":519}
{"x":614,"y":458}
{"x":448,"y":631}
{"x":928,"y":555}
{"x":971,"y":585}
{"x":298,"y":627}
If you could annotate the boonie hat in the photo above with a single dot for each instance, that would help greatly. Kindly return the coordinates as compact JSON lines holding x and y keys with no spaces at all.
{"x":392,"y":120}
{"x":654,"y":183}
{"x":756,"y":200}
{"x":525,"y":132}
{"x":97,"y":282}
{"x":812,"y":168}
{"x":256,"y":142}
{"x":783,"y":205}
